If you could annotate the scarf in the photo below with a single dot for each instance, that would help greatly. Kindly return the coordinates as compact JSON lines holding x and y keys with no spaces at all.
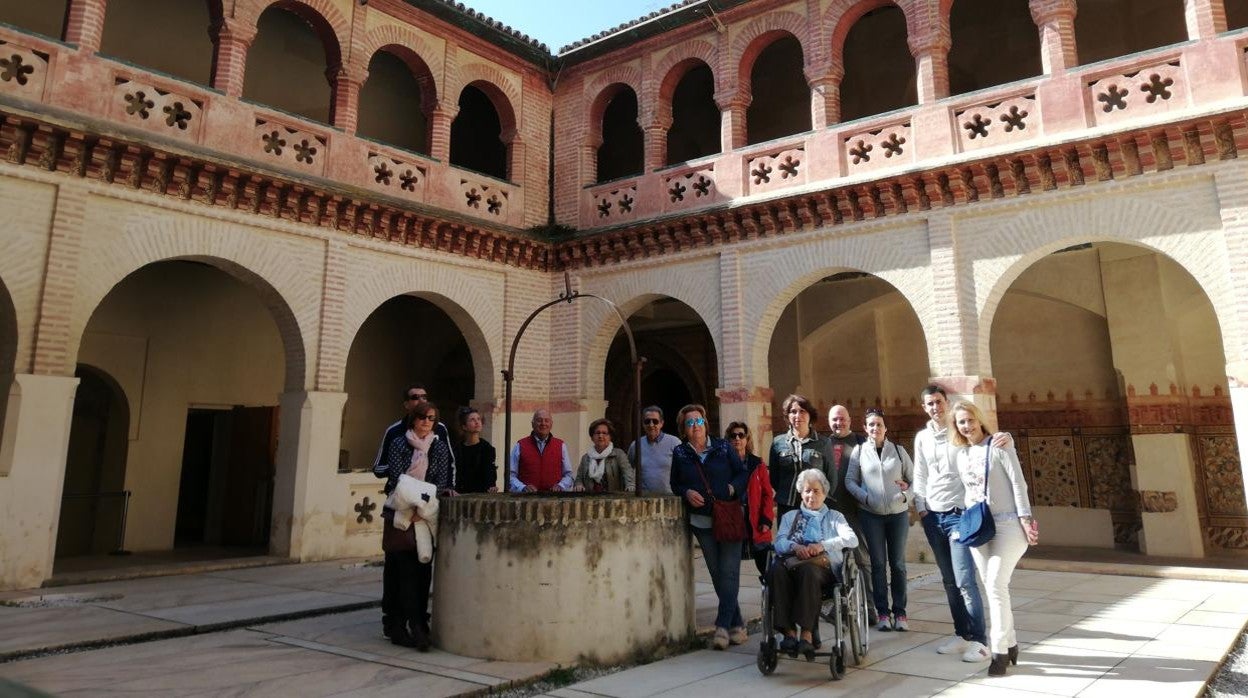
{"x":598,"y":461}
{"x":808,"y":527}
{"x":420,"y":454}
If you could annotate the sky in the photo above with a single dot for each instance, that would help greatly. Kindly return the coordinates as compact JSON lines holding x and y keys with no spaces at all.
{"x":558,"y":23}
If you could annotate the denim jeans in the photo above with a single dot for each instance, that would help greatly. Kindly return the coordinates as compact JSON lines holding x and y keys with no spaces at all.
{"x":958,"y":565}
{"x":886,"y":542}
{"x":723,"y":561}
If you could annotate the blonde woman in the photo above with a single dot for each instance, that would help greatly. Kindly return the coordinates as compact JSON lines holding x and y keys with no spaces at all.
{"x":994,"y":475}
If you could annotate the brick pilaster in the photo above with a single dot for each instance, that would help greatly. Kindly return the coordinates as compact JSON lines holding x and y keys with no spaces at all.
{"x":84,"y":23}
{"x":332,"y":360}
{"x":1205,"y":18}
{"x":954,"y":350}
{"x":52,"y":331}
{"x":229,"y":60}
{"x":1055,"y":19}
{"x":1232,"y":190}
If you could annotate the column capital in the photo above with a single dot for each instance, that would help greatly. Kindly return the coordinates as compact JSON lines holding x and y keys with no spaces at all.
{"x":745,"y":393}
{"x":730,"y":100}
{"x":937,"y":41}
{"x":1045,"y":11}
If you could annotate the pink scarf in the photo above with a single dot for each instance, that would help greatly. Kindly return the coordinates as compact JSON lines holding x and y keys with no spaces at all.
{"x":420,"y":454}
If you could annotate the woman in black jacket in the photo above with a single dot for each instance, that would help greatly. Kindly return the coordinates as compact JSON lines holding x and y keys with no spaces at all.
{"x":800,"y":448}
{"x":698,"y":462}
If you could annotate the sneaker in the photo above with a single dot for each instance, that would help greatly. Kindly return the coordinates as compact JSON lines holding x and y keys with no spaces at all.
{"x":900,"y":624}
{"x":954,"y":645}
{"x":885,"y":625}
{"x":720,"y":640}
{"x":738,"y":636}
{"x":976,"y":652}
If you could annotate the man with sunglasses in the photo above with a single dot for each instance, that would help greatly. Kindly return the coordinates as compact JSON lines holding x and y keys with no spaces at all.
{"x":656,"y":452}
{"x":413,"y":395}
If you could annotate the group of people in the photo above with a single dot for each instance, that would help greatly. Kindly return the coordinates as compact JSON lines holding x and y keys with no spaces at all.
{"x":830,"y":492}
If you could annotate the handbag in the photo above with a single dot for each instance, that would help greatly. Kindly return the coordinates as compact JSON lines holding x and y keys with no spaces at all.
{"x":727,"y":517}
{"x":395,"y":540}
{"x":820,"y":560}
{"x":976,"y":526}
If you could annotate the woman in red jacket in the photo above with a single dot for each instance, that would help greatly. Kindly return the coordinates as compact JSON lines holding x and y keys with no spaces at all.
{"x":760,"y":498}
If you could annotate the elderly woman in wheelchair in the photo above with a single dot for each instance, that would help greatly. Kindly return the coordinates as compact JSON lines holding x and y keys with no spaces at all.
{"x":809,"y":559}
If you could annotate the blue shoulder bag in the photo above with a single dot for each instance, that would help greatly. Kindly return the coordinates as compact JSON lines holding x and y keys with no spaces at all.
{"x":977,"y":526}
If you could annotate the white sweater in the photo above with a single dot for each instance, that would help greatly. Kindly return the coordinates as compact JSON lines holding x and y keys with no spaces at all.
{"x":1007,"y":490}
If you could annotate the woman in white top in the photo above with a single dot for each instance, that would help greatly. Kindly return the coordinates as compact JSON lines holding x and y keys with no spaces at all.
{"x":879,"y":477}
{"x":1006,"y":493}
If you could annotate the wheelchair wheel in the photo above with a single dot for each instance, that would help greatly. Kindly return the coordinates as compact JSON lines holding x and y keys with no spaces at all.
{"x":855,"y":642}
{"x":836,"y":663}
{"x":862,"y":643}
{"x":768,"y":656}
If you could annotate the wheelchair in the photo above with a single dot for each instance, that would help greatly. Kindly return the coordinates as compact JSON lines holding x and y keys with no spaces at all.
{"x":844,"y":610}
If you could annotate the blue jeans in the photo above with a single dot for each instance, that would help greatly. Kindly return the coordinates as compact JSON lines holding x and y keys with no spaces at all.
{"x":723,"y":561}
{"x":886,"y":543}
{"x":957,"y":572}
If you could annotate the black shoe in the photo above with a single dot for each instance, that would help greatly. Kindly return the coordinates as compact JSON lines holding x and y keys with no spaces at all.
{"x":1012,"y":653}
{"x":789,"y":646}
{"x":387,"y":626}
{"x":400,"y":636}
{"x":420,"y":637}
{"x":999,"y":663}
{"x":805,"y":648}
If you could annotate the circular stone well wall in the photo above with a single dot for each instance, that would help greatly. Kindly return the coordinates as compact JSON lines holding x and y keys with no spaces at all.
{"x":595,"y":579}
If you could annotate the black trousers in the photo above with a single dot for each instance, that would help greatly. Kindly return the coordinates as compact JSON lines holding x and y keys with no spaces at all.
{"x":405,"y":584}
{"x":796,"y":595}
{"x":861,"y":553}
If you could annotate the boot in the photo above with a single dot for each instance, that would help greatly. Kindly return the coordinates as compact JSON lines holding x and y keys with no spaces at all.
{"x":1012,"y":653}
{"x":420,"y":636}
{"x":999,"y":663}
{"x":400,"y":636}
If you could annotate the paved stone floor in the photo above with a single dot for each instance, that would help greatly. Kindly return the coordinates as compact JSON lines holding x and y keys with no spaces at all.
{"x":1082,"y":634}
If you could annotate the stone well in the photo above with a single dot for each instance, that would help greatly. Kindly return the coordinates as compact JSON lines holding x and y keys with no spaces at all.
{"x":596,"y":579}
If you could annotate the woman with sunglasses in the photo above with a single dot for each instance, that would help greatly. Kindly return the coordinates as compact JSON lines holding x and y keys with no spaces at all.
{"x":879,"y":477}
{"x":760,"y":507}
{"x":703,"y":469}
{"x":422,"y":454}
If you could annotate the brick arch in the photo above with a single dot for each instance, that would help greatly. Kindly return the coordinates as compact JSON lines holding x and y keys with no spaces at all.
{"x":758,"y":35}
{"x":494,"y":83}
{"x":1034,"y":234}
{"x":841,"y":15}
{"x":673,"y":68}
{"x":631,"y":292}
{"x":469,"y":301}
{"x":598,"y":109}
{"x":421,"y":58}
{"x":902,"y":260}
{"x":327,"y":21}
{"x":289,"y":290}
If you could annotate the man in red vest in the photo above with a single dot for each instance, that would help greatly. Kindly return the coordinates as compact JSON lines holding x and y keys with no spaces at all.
{"x":539,"y":461}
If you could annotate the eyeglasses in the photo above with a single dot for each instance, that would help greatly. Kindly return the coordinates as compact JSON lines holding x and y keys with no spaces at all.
{"x":602,"y":433}
{"x":738,"y":435}
{"x":428,"y":418}
{"x":695,"y":422}
{"x":418,"y":396}
{"x":651,"y":422}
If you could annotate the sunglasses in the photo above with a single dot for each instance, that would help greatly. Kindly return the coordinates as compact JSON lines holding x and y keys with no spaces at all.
{"x":428,"y":418}
{"x":695,"y":422}
{"x":651,"y":422}
{"x":738,"y":435}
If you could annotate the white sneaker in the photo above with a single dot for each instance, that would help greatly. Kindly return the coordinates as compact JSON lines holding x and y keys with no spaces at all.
{"x":954,"y":645}
{"x":975,"y":652}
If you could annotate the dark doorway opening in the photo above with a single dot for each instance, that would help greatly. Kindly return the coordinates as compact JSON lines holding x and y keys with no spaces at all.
{"x":225,"y":495}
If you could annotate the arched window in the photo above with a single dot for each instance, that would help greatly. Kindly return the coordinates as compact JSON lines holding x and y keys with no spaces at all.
{"x":1110,"y":28}
{"x":780,"y":104}
{"x":994,"y":42}
{"x":129,"y":35}
{"x":695,"y":117}
{"x":45,"y":17}
{"x":395,"y":100}
{"x":621,"y":152}
{"x":476,"y":142}
{"x":286,"y":66}
{"x":879,"y":69}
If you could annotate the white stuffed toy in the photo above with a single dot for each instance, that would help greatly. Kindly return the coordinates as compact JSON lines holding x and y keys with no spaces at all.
{"x":412,"y":495}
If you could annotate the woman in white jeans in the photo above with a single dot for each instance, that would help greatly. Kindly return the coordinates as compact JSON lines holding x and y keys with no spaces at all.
{"x":1006,"y":493}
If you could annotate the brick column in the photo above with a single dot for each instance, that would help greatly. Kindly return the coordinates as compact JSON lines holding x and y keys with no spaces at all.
{"x":84,"y":24}
{"x":954,"y":347}
{"x":931,"y":57}
{"x":345,"y":82}
{"x":1205,"y":18}
{"x":232,"y":39}
{"x":732,"y":109}
{"x":655,"y":134}
{"x":515,"y":155}
{"x":825,"y":97}
{"x":440,"y":119}
{"x":1055,"y":20}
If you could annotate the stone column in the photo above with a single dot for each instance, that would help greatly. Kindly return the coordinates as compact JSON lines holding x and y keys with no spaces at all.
{"x":931,"y":56}
{"x":1150,"y":362}
{"x":305,"y":490}
{"x":232,"y":40}
{"x":84,"y":24}
{"x":732,"y":128}
{"x":440,"y":119}
{"x":1056,"y":21}
{"x":33,"y":449}
{"x":345,"y":83}
{"x":1205,"y":18}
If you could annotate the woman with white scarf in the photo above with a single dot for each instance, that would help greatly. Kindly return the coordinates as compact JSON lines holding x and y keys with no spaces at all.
{"x":420,"y":454}
{"x":604,"y":468}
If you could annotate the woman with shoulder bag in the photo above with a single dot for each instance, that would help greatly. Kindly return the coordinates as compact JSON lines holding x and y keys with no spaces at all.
{"x":993,"y":477}
{"x":879,"y":477}
{"x":760,"y":499}
{"x":798,"y":449}
{"x":710,"y":477}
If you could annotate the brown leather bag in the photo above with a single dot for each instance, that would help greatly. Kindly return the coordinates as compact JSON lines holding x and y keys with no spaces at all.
{"x":394,"y":540}
{"x":727,"y":517}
